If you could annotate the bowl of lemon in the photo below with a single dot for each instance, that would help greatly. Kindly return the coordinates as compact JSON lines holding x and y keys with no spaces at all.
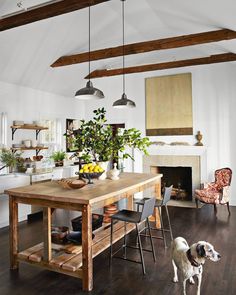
{"x":90,"y":171}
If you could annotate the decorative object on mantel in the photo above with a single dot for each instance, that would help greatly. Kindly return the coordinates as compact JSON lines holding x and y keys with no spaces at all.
{"x":114,"y":173}
{"x":179,"y":143}
{"x":199,"y":138}
{"x":160,"y":143}
{"x":89,"y":92}
{"x":123,"y":102}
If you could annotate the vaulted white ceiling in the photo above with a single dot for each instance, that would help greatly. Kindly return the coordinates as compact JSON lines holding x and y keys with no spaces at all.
{"x":27,"y":52}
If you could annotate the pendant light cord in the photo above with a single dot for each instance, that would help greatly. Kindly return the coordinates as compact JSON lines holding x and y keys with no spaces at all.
{"x":123,"y":25}
{"x":89,"y":40}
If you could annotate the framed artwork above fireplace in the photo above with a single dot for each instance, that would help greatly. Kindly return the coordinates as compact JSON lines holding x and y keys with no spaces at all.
{"x":169,"y":105}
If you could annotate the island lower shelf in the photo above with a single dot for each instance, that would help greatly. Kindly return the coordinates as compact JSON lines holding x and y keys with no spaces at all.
{"x":67,"y":259}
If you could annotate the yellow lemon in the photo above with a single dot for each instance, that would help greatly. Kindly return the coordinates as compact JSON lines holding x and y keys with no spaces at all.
{"x":100,"y":169}
{"x":85,"y":167}
{"x":81,"y":171}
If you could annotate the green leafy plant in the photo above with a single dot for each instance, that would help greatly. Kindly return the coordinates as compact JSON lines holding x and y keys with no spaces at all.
{"x":58,"y":156}
{"x":8,"y":158}
{"x":95,"y":138}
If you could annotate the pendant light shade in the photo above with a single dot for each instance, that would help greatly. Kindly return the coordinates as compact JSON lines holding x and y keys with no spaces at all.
{"x":123,"y":102}
{"x":89,"y":92}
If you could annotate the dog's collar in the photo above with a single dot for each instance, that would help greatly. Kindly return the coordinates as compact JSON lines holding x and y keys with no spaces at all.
{"x":191,"y":259}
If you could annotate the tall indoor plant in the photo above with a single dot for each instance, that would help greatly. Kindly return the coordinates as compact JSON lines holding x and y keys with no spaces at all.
{"x":95,"y":138}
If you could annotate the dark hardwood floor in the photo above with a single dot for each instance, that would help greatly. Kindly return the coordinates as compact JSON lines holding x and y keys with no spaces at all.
{"x":125,"y":277}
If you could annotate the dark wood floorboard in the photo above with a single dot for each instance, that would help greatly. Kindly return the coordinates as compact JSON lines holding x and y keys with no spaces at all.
{"x":125,"y":277}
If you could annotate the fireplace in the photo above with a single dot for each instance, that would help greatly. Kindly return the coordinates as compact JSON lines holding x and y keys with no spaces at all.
{"x":179,"y":177}
{"x":191,"y":158}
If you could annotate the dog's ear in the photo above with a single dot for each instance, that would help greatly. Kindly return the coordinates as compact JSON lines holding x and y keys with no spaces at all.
{"x":200,"y":250}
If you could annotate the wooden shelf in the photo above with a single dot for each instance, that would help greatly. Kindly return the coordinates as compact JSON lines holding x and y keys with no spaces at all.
{"x":37,"y":149}
{"x":68,"y":258}
{"x":27,"y":127}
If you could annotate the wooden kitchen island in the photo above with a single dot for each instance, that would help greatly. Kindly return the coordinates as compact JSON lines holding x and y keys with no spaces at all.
{"x":72,"y":260}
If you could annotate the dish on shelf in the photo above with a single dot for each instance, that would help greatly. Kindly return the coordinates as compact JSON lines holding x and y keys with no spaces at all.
{"x":18,"y":123}
{"x":71,"y":183}
{"x":17,"y":145}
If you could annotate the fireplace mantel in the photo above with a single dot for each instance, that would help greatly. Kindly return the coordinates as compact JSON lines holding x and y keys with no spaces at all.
{"x":177,"y":150}
{"x":185,"y":156}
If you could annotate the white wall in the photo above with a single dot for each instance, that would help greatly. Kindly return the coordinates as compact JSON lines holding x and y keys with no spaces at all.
{"x":214,"y":104}
{"x":21,"y":103}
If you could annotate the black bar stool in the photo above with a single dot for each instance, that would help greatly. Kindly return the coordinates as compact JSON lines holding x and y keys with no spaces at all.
{"x":136,"y":218}
{"x":160,"y":204}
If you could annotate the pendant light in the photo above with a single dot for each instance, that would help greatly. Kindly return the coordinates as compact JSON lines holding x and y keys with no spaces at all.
{"x":124,"y":102}
{"x":89,"y":92}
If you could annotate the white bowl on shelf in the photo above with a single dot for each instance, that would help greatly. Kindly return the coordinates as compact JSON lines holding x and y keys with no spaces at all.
{"x":27,"y":143}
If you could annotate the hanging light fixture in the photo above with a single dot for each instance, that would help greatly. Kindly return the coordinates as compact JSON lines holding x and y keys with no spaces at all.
{"x":124,"y":102}
{"x":89,"y":92}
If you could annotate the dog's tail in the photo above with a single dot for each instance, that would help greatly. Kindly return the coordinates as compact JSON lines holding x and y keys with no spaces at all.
{"x":177,"y":242}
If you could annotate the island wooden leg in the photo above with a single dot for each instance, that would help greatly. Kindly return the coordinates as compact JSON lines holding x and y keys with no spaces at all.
{"x":47,"y":222}
{"x":13,"y":221}
{"x":87,"y":248}
{"x":130,"y":202}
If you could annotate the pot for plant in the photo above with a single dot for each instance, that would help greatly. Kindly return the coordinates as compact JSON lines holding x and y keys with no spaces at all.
{"x":59,"y":163}
{"x":104,"y":166}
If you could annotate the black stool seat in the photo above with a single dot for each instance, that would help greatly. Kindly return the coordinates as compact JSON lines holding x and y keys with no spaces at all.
{"x":128,"y":216}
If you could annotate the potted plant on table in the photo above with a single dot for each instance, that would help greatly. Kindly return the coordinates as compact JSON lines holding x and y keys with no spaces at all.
{"x":95,"y":139}
{"x":58,"y":158}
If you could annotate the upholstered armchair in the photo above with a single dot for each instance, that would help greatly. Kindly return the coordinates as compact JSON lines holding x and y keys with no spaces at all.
{"x":216,"y":192}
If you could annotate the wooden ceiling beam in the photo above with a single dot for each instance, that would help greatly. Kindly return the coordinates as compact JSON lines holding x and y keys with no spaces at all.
{"x":141,"y":47}
{"x":44,"y":11}
{"x":218,"y":58}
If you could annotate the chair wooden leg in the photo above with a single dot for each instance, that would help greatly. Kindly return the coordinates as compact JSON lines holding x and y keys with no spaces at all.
{"x":228,"y":208}
{"x":196,"y":201}
{"x":215,"y":208}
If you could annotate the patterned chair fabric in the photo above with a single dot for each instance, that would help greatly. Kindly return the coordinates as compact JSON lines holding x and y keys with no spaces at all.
{"x":216,"y":192}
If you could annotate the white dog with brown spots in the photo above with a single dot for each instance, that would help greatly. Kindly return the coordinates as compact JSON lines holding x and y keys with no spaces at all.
{"x":189,"y":260}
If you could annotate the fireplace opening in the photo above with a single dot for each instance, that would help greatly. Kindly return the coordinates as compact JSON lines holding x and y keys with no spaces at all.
{"x":180,"y":178}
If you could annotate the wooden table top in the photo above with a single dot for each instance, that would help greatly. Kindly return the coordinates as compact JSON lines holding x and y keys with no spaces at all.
{"x":89,"y":194}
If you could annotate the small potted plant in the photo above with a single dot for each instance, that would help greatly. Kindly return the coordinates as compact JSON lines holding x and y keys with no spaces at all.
{"x":9,"y":159}
{"x":58,"y":158}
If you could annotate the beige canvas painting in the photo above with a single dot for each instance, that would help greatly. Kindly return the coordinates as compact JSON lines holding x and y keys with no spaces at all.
{"x":169,"y":105}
